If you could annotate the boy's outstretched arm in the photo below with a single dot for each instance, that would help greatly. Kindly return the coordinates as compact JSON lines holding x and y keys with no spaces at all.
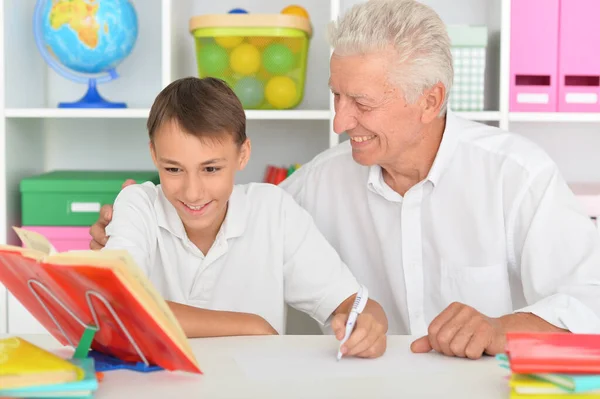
{"x":369,"y":338}
{"x":197,"y":322}
{"x":133,"y":228}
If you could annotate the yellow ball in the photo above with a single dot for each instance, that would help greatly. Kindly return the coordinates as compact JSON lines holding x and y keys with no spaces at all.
{"x":281,"y":92}
{"x":245,"y":59}
{"x":296,"y":10}
{"x":229,"y":41}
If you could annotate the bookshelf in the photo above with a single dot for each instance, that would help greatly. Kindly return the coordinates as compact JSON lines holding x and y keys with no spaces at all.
{"x":35,"y":136}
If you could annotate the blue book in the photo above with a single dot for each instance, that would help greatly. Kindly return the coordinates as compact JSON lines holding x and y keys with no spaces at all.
{"x":74,"y":390}
{"x":576,"y":383}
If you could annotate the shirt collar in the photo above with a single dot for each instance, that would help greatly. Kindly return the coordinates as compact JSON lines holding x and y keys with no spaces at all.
{"x":443,"y":157}
{"x":446,"y":149}
{"x":233,"y":226}
{"x":376,"y":184}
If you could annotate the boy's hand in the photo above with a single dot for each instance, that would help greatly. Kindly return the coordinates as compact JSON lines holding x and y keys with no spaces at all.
{"x":368,"y":340}
{"x":98,"y":229}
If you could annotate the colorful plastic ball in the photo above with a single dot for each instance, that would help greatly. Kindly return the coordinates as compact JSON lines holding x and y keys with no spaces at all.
{"x":281,"y":92}
{"x":278,"y":59}
{"x":296,"y":10}
{"x":250,"y":91}
{"x":237,"y":11}
{"x":260,"y":41}
{"x":229,"y":41}
{"x":245,"y":59}
{"x":206,"y":40}
{"x":293,"y":43}
{"x":227,"y":78}
{"x":213,"y":59}
{"x":263,"y":75}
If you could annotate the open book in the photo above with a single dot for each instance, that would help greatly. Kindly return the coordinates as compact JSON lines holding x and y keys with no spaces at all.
{"x":68,"y":291}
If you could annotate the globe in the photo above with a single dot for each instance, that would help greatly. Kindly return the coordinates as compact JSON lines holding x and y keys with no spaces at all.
{"x":84,"y":41}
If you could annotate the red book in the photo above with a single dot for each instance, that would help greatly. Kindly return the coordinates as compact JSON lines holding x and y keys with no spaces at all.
{"x":553,"y":353}
{"x":268,"y":174}
{"x":272,"y":174}
{"x":71,"y":286}
{"x":281,"y":175}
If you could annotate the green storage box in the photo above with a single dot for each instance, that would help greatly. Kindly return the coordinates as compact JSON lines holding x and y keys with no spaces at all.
{"x":73,"y":198}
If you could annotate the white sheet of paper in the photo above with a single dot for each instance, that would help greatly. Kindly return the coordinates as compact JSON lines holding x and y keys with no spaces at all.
{"x":318,"y":363}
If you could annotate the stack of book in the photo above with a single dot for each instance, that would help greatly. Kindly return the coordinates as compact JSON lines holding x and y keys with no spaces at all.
{"x":28,"y":371}
{"x":277,"y":174}
{"x":552,"y":365}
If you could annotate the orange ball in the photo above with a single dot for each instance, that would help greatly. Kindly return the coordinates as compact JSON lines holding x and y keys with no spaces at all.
{"x":296,"y":10}
{"x":260,"y":41}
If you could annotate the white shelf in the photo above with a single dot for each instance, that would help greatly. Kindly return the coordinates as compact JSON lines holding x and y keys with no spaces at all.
{"x":554,"y":117}
{"x":143,"y":113}
{"x":296,"y":114}
{"x":482,"y":116}
{"x":76,"y":113}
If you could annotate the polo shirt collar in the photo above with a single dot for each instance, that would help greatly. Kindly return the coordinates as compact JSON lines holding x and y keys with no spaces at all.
{"x":233,"y":226}
{"x":442,"y":159}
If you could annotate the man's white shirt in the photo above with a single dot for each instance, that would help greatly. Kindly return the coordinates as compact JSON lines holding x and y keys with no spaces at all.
{"x":493,"y":225}
{"x":268,"y":253}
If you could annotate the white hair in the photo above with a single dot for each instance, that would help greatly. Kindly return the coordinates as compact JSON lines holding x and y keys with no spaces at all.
{"x":417,"y":33}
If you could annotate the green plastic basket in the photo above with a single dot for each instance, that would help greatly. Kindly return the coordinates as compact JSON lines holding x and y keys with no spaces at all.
{"x":261,"y":57}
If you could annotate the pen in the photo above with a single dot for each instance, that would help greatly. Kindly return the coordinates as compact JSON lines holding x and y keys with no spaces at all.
{"x":359,"y":305}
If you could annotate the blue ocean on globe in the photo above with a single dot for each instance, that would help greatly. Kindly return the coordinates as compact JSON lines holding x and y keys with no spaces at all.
{"x":89,"y":36}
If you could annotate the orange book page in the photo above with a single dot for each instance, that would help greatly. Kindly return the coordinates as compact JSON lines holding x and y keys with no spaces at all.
{"x":112,"y":274}
{"x":146,"y":330}
{"x":120,"y":261}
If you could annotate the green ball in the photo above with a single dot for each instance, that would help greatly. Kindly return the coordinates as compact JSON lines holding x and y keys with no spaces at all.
{"x":205,"y":41}
{"x":227,"y":79}
{"x":250,"y":91}
{"x":278,"y":59}
{"x":213,"y":59}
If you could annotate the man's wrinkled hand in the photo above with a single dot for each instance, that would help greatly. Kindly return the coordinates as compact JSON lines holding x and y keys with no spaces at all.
{"x":462,"y":331}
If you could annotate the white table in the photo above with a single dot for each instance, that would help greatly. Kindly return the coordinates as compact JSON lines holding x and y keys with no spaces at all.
{"x":418,"y":376}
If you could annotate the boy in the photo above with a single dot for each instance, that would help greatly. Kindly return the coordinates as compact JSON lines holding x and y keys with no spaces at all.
{"x":229,"y":257}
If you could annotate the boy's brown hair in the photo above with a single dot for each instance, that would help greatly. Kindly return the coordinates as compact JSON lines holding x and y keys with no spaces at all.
{"x":205,"y":108}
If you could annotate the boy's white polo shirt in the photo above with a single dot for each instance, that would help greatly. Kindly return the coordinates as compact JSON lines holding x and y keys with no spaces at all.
{"x":267,"y":253}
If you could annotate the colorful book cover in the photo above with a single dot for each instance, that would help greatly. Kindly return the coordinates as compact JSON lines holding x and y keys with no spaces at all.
{"x":86,"y":282}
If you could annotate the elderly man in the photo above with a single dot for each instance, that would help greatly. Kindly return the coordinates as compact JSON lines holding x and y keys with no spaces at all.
{"x":460,"y":230}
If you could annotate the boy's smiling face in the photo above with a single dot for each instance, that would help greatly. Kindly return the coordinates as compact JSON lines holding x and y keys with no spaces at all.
{"x":197,"y":175}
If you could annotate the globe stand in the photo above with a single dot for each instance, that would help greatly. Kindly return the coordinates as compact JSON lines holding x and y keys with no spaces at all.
{"x":92,"y":99}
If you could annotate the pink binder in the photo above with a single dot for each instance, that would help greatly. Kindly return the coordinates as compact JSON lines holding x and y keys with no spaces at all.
{"x":65,"y":238}
{"x":579,"y":56}
{"x":534,"y":55}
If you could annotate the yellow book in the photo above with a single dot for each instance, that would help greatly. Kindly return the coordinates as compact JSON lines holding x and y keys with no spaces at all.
{"x":524,"y":386}
{"x":515,"y":395}
{"x":24,"y":364}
